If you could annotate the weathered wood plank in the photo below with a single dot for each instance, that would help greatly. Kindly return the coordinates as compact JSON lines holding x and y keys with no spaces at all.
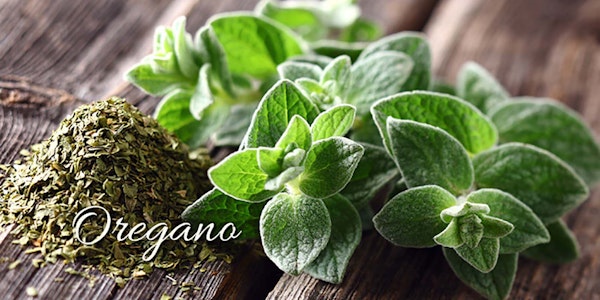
{"x":541,"y":48}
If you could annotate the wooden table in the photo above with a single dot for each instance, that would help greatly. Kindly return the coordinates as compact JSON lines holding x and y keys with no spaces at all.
{"x":55,"y":55}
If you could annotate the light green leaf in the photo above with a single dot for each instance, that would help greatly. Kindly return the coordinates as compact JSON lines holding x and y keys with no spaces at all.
{"x":495,"y":285}
{"x":373,"y":172}
{"x":528,"y":228}
{"x":183,"y":49}
{"x":212,"y":52}
{"x":294,"y":230}
{"x":298,"y":132}
{"x":471,"y":230}
{"x":361,"y":30}
{"x":329,"y":165}
{"x":311,"y":58}
{"x":293,"y":70}
{"x":173,"y":113}
{"x":463,"y":209}
{"x":293,"y":157}
{"x":220,"y":209}
{"x":547,"y":124}
{"x":379,"y":75}
{"x":413,"y":44}
{"x":428,"y":155}
{"x":495,"y":227}
{"x":562,"y":248}
{"x":276,"y":109}
{"x":143,"y":76}
{"x":302,"y":20}
{"x":478,"y":86}
{"x":483,"y":257}
{"x":254,"y":45}
{"x":412,"y":218}
{"x":338,"y":72}
{"x":450,"y":237}
{"x":270,"y":160}
{"x":240,"y":177}
{"x":535,"y":176}
{"x":453,"y":115}
{"x":335,"y":121}
{"x":202,"y":97}
{"x":346,"y":231}
{"x":278,"y":183}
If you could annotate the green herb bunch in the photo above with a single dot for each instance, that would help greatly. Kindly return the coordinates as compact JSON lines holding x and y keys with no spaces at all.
{"x":467,"y":167}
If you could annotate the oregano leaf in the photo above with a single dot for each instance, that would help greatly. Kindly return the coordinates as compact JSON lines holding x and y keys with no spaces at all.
{"x":428,"y":155}
{"x":535,"y":176}
{"x":495,"y":227}
{"x":293,"y":70}
{"x":294,"y":230}
{"x":183,"y":46}
{"x":547,"y":124}
{"x":528,"y":228}
{"x":450,"y":237}
{"x":412,"y":218}
{"x":453,"y":115}
{"x":346,"y":231}
{"x":298,"y":132}
{"x":496,"y":284}
{"x":479,"y":87}
{"x":562,"y":248}
{"x":483,"y":257}
{"x":270,"y":160}
{"x":329,"y":165}
{"x":335,"y":121}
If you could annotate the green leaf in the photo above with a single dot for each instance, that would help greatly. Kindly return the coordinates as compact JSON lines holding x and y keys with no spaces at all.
{"x":483,"y":257}
{"x":479,"y":87}
{"x":293,"y":70}
{"x":298,"y":132}
{"x":240,"y":177}
{"x":311,"y":58}
{"x":379,"y":75}
{"x":254,"y":45}
{"x":212,"y":52}
{"x":494,"y":285}
{"x":443,"y":87}
{"x":329,"y":166}
{"x":346,"y":231}
{"x":453,"y":115}
{"x":412,"y":218}
{"x":535,"y":176}
{"x":335,"y":121}
{"x":220,"y":209}
{"x":143,"y":76}
{"x":528,"y":228}
{"x":202,"y":97}
{"x":233,"y":129}
{"x":361,"y":30}
{"x":294,"y":230}
{"x":302,"y":20}
{"x":495,"y":227}
{"x":275,"y":111}
{"x":562,"y":248}
{"x":373,"y":172}
{"x":183,"y":49}
{"x":173,"y":113}
{"x":547,"y":124}
{"x":337,"y":71}
{"x":334,"y":48}
{"x":428,"y":155}
{"x":413,"y":44}
{"x":278,"y":183}
{"x":463,"y":209}
{"x":270,"y":160}
{"x":450,"y":237}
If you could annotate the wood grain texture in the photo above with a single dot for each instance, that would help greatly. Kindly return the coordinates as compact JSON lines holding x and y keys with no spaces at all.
{"x":540,"y":48}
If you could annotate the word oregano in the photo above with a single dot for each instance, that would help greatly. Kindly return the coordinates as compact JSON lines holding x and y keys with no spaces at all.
{"x":326,"y":122}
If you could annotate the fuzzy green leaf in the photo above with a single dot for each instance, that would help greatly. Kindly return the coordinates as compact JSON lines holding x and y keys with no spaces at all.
{"x":483,"y":257}
{"x":183,"y":49}
{"x":212,"y":52}
{"x":300,"y":19}
{"x":346,"y":231}
{"x":376,"y":76}
{"x":254,"y":45}
{"x":562,"y":248}
{"x":298,"y":132}
{"x":220,"y":209}
{"x":495,"y":227}
{"x":414,"y":45}
{"x":535,"y":176}
{"x":143,"y":76}
{"x":428,"y":155}
{"x":233,"y":129}
{"x":275,"y":111}
{"x":453,"y":115}
{"x":551,"y":126}
{"x":528,"y":228}
{"x":335,"y":121}
{"x":412,"y":218}
{"x":293,"y":70}
{"x":496,"y":284}
{"x":479,"y":87}
{"x":270,"y":160}
{"x":329,"y":166}
{"x":202,"y":97}
{"x":450,"y":237}
{"x":337,"y":71}
{"x":294,"y":230}
{"x":373,"y":172}
{"x":240,"y":177}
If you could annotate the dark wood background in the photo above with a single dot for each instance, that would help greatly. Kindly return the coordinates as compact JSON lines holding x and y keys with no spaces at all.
{"x":55,"y":55}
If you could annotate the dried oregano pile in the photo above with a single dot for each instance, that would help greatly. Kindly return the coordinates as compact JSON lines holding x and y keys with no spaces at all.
{"x":111,"y":155}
